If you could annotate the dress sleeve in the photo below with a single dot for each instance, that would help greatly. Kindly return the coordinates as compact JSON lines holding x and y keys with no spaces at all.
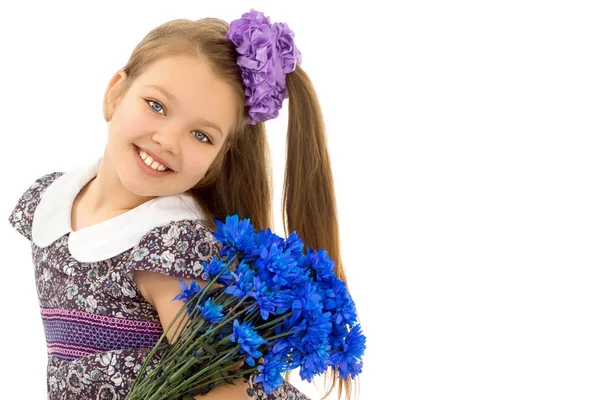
{"x":21,"y":217}
{"x":177,"y":249}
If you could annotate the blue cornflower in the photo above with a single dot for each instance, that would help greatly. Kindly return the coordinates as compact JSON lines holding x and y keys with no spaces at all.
{"x":283,"y":300}
{"x":236,"y":236}
{"x":307,"y":299}
{"x":338,"y":335}
{"x":214,"y":268}
{"x":290,"y":354}
{"x":314,"y":363}
{"x":344,"y":310}
{"x":243,"y":281}
{"x":211,"y":311}
{"x":311,"y":332}
{"x":245,"y":335}
{"x":294,"y":245}
{"x":264,"y":297}
{"x":281,"y":346}
{"x":348,"y":360}
{"x":320,"y":265}
{"x":275,"y":265}
{"x":318,"y":330}
{"x":265,"y":238}
{"x":328,"y":296}
{"x":186,"y":292}
{"x":270,"y":372}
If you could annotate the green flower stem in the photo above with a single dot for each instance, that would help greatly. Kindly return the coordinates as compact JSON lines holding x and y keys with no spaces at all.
{"x":169,"y":357}
{"x":177,"y":359}
{"x":174,"y":371}
{"x":237,"y":375}
{"x":157,"y":394}
{"x":278,"y":336}
{"x":186,"y":366}
{"x":284,"y":316}
{"x":190,"y":348}
{"x":221,"y":295}
{"x":203,"y":371}
{"x":186,"y":342}
{"x":155,"y":349}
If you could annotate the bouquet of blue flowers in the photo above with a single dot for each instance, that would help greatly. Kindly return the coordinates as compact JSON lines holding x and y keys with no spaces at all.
{"x":270,"y":306}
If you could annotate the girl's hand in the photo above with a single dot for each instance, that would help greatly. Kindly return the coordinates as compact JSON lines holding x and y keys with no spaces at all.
{"x":238,"y":391}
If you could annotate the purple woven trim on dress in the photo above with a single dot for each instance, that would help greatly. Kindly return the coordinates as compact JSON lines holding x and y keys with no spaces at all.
{"x":75,"y":334}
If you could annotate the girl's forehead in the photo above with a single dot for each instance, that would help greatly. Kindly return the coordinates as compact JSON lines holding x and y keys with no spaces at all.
{"x":182,"y":71}
{"x":167,"y":62}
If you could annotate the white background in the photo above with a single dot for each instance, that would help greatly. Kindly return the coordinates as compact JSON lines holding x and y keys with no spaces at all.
{"x":464,"y":141}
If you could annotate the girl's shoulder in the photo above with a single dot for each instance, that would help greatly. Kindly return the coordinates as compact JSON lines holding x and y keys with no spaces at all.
{"x":178,"y":248}
{"x":21,"y":217}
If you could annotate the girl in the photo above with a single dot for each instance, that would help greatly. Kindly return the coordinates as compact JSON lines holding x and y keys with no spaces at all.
{"x":186,"y":145}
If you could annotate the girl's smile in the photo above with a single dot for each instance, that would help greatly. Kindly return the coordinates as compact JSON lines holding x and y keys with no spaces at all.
{"x":150,"y":164}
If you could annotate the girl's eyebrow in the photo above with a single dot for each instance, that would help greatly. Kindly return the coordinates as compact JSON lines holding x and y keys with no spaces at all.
{"x":174,"y":100}
{"x":164,"y":91}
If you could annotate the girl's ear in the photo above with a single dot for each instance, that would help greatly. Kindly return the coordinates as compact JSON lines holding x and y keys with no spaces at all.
{"x":112,"y":94}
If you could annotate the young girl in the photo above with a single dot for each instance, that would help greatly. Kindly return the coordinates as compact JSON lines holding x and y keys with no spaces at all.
{"x":186,"y":145}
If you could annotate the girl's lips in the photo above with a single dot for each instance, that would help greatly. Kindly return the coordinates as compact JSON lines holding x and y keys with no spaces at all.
{"x":155,"y":157}
{"x":147,"y":169}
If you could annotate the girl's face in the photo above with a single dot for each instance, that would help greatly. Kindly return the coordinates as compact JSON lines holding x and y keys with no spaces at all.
{"x":175,"y":116}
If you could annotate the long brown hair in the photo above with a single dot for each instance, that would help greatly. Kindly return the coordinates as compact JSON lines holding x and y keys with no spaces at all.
{"x":239,"y":180}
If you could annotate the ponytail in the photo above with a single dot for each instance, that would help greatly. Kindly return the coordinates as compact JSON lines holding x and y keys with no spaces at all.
{"x":309,"y":205}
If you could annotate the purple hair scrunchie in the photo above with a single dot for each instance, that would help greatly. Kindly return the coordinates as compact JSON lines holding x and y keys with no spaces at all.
{"x":266,"y":54}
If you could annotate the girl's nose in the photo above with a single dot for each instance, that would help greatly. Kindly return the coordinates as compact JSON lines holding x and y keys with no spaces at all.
{"x":168,"y":141}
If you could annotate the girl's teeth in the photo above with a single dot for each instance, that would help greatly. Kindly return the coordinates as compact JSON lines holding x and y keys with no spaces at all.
{"x":150,"y":162}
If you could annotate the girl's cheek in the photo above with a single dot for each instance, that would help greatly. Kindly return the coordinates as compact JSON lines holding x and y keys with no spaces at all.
{"x":136,"y":126}
{"x":200,"y":164}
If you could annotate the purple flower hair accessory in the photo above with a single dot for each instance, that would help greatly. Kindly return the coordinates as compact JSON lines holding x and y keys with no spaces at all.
{"x":266,"y":54}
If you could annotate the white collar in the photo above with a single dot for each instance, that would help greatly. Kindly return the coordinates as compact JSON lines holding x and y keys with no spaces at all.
{"x":52,"y":218}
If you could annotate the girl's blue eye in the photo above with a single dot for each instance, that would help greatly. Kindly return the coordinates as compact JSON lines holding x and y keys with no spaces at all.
{"x":156,"y":107}
{"x":201,"y":136}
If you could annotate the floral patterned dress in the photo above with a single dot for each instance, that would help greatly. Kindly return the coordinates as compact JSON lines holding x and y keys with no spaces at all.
{"x":98,"y":326}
